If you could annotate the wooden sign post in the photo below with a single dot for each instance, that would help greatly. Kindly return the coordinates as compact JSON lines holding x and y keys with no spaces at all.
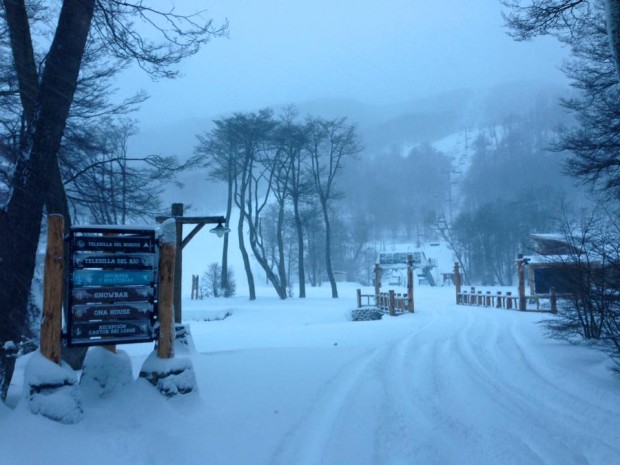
{"x":51,"y":324}
{"x":176,"y":212}
{"x":167,"y":253}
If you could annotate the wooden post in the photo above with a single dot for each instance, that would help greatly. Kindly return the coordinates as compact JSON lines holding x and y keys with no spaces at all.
{"x":194,"y":293}
{"x":177,"y":211}
{"x":359,"y":298}
{"x":457,"y":281}
{"x":51,"y":324}
{"x":498,"y":303}
{"x":392,"y":303}
{"x":410,"y":304}
{"x":521,"y":276}
{"x":488,"y":299}
{"x":167,"y":268}
{"x":377,"y":280}
{"x":554,"y":300}
{"x":110,"y":347}
{"x":509,"y":300}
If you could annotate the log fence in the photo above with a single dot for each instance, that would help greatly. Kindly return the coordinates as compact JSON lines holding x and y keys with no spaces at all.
{"x":391,"y":302}
{"x":505,"y":300}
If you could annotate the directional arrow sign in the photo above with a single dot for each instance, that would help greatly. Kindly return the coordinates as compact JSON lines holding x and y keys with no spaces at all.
{"x":116,"y":331}
{"x":137,"y":310}
{"x":137,"y":244}
{"x":88,"y":295}
{"x":110,"y":261}
{"x":111,"y":277}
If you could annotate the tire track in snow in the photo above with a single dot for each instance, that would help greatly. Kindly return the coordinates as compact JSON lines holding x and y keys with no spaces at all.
{"x":467,"y":391}
{"x":531,"y":398}
{"x":516,"y":412}
{"x":316,"y":440}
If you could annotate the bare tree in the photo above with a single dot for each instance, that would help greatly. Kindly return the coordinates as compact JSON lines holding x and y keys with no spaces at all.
{"x":220,"y":148}
{"x":592,"y":310}
{"x":46,"y":101}
{"x":251,"y":131}
{"x":592,"y":31}
{"x":114,"y":187}
{"x":331,"y":142}
{"x":292,"y":139}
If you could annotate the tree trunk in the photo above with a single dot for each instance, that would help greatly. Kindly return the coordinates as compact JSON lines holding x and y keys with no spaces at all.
{"x":245,"y":256}
{"x":259,"y":255}
{"x":20,"y":223}
{"x":281,"y":257}
{"x":328,"y":251}
{"x":23,"y":56}
{"x":613,"y":30}
{"x":300,"y":251}
{"x":225,"y":247}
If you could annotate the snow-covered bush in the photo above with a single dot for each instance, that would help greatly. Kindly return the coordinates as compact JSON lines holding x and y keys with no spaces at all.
{"x":212,"y":282}
{"x":366,"y":314}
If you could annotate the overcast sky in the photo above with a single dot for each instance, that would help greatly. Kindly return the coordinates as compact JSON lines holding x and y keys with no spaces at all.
{"x":372,"y":51}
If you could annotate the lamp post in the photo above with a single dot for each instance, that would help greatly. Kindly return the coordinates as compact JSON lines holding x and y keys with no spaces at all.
{"x":181,"y":242}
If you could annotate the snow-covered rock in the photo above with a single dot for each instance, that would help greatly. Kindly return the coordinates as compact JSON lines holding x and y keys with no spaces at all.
{"x":183,"y":342}
{"x":52,"y":390}
{"x":104,"y":372}
{"x":171,"y":376}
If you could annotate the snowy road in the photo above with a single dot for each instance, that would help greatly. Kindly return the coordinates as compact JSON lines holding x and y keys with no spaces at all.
{"x":465,"y":387}
{"x":297,"y":383}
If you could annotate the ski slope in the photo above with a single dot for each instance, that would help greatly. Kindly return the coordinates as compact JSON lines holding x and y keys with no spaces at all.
{"x":296,"y":382}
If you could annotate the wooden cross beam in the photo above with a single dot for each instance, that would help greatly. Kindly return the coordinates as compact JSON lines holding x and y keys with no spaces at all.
{"x":176,"y":212}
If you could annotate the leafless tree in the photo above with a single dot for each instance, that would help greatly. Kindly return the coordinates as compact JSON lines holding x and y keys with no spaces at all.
{"x":220,"y":150}
{"x":46,"y":99}
{"x":591,"y":310}
{"x":330,"y":143}
{"x":591,"y":29}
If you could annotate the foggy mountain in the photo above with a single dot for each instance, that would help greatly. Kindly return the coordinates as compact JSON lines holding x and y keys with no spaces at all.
{"x":383,"y":128}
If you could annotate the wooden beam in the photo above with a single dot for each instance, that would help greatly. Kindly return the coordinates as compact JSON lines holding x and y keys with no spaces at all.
{"x":176,"y":213}
{"x":192,"y":234}
{"x":193,"y":219}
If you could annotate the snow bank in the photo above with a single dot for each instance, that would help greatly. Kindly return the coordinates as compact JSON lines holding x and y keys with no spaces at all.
{"x":52,"y":390}
{"x":171,"y":376}
{"x":105,"y":372}
{"x":297,"y":382}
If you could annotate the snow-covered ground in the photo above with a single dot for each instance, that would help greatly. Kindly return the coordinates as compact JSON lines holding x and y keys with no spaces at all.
{"x":297,"y":382}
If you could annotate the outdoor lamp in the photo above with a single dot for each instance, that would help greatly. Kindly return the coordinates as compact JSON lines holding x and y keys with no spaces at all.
{"x":220,"y":230}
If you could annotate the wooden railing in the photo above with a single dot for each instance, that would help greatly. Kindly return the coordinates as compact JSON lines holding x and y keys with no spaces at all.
{"x":391,"y":301}
{"x":507,"y":300}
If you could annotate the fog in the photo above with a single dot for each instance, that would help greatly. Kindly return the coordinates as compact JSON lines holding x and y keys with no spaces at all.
{"x":419,"y":80}
{"x":281,"y":52}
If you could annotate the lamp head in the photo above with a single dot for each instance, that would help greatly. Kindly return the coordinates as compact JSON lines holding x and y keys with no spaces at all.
{"x":220,"y":230}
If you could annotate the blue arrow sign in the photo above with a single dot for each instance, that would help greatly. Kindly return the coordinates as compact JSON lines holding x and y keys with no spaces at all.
{"x":111,"y":277}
